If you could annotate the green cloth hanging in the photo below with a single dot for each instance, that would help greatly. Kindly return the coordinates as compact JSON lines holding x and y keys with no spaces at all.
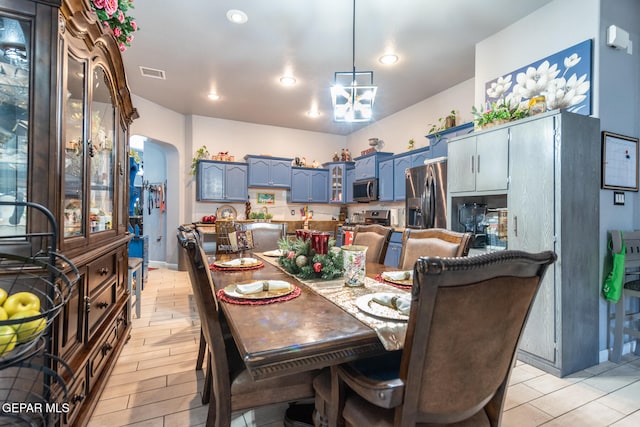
{"x":612,"y":286}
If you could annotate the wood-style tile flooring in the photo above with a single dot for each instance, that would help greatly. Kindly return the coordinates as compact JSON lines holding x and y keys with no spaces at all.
{"x":154,"y":382}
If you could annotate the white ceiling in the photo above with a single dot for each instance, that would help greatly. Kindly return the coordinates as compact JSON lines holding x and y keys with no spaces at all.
{"x":200,"y":50}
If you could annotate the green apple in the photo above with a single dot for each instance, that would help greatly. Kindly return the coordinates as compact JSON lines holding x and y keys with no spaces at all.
{"x":3,"y":314}
{"x":21,"y":301}
{"x":28,"y":330}
{"x":8,"y":339}
{"x":3,"y":296}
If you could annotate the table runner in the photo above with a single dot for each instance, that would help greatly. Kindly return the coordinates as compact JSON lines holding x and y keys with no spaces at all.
{"x":391,"y":333}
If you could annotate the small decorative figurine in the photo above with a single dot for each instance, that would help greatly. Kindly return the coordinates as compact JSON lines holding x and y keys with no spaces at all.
{"x":347,"y":155}
{"x":315,"y":164}
{"x":336,"y":158}
{"x":343,"y":156}
{"x":303,"y":162}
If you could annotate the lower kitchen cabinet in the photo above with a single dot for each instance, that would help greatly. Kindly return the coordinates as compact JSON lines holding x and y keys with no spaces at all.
{"x":392,"y":258}
{"x":309,"y":185}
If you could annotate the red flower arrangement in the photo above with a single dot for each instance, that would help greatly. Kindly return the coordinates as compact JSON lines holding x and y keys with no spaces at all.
{"x":113,"y":14}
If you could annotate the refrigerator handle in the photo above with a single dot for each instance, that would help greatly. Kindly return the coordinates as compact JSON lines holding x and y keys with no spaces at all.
{"x":472,"y":159}
{"x":369,"y":189}
{"x":428,"y":207}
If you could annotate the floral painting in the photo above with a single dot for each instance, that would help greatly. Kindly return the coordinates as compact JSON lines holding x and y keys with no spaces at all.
{"x":564,"y":79}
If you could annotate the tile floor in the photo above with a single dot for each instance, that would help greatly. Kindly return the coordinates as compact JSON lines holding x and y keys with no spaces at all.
{"x":154,"y":382}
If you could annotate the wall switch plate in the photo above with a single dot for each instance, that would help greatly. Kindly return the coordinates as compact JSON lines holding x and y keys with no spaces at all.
{"x":618,"y":197}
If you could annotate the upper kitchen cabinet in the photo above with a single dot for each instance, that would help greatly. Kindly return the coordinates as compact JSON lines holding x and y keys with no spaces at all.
{"x":265,"y":171}
{"x":438,"y":141}
{"x":221,"y":181}
{"x":385,"y":180}
{"x":367,"y":166}
{"x":350,"y":178}
{"x":309,"y":185}
{"x":338,"y":187}
{"x":479,"y":162}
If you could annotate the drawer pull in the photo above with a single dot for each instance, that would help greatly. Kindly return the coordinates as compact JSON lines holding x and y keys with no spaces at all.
{"x":77,"y":398}
{"x":102,"y":304}
{"x":106,"y":348}
{"x":103,"y":271}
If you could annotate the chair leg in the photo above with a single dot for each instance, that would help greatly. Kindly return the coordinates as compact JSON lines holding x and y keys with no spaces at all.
{"x":206,"y":389}
{"x":618,"y":335}
{"x":201,"y":351}
{"x":336,"y":405}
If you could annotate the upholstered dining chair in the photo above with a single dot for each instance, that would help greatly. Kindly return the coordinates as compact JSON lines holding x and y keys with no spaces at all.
{"x":467,"y":316}
{"x":376,"y":238}
{"x":266,"y":235}
{"x":432,"y":242}
{"x":228,"y":387}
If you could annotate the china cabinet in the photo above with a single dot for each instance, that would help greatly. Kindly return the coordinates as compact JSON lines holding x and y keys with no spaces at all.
{"x":338,"y":181}
{"x":64,"y":145}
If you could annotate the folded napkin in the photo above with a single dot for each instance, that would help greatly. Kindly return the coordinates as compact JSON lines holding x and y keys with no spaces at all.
{"x":398,"y":275}
{"x":397,"y":302}
{"x":262,"y":286}
{"x":239,"y":262}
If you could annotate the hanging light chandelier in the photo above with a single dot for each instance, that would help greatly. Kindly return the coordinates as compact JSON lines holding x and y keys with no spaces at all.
{"x":353,"y":93}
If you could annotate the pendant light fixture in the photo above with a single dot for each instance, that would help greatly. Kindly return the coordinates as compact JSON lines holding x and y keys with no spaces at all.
{"x":353,"y":93}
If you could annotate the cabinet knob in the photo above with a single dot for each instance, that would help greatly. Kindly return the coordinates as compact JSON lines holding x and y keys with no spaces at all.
{"x":102,"y":304}
{"x":77,"y":398}
{"x":106,"y":348}
{"x":103,"y":271}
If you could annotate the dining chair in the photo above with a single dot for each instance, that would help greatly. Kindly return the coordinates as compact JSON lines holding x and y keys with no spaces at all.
{"x":432,"y":242}
{"x":466,"y":318}
{"x":625,"y":313}
{"x":376,"y":238}
{"x":266,"y":235}
{"x":228,"y":386}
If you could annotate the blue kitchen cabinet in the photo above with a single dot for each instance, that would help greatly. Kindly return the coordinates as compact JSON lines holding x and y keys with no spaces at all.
{"x":385,"y":180}
{"x":419,"y":156}
{"x":309,"y":185}
{"x":400,"y":165}
{"x":350,"y":178}
{"x":392,"y":258}
{"x":221,"y":181}
{"x":337,"y":180}
{"x":367,"y":165}
{"x":267,"y":171}
{"x":439,"y":141}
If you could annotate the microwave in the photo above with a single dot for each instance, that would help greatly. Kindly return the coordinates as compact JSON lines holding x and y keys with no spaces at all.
{"x":365,"y":190}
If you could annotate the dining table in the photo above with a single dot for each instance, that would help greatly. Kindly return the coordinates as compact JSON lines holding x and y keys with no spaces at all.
{"x":319,"y":326}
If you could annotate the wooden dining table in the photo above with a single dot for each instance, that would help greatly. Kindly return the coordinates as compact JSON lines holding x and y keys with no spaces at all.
{"x":301,"y":334}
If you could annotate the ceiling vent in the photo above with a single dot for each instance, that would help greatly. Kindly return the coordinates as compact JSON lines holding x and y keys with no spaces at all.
{"x":153,"y":73}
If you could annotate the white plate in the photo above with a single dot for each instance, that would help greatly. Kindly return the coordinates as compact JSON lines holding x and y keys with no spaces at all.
{"x":275,"y":252}
{"x":372,"y":308}
{"x":231,"y":291}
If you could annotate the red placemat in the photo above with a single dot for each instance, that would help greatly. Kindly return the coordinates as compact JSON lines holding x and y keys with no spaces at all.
{"x":226,"y":298}
{"x":397,"y":285}
{"x":214,"y":267}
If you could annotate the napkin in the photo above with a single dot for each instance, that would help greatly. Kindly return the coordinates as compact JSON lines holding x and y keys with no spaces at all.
{"x":397,"y":302}
{"x":398,"y":275}
{"x":262,"y":285}
{"x":239,"y":262}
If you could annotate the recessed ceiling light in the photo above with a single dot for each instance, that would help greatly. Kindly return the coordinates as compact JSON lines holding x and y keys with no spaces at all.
{"x":237,"y":16}
{"x":388,"y":59}
{"x":213,"y":96}
{"x":287,"y":80}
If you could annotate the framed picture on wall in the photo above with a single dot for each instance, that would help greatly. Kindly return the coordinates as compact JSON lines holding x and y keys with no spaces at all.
{"x":619,"y":162}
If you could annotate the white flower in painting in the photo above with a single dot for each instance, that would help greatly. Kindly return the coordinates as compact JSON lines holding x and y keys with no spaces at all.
{"x":499,"y":87}
{"x":535,"y":81}
{"x":566,"y":93}
{"x":571,"y":61}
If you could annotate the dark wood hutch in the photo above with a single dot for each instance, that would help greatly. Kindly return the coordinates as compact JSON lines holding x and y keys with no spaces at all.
{"x":65,"y":126}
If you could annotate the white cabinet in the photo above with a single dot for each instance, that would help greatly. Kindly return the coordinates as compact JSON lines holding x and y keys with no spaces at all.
{"x":479,"y":162}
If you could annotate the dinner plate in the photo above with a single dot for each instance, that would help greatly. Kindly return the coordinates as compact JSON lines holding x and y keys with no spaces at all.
{"x":231,"y":263}
{"x":226,"y":212}
{"x":404,"y":278}
{"x":375,"y":309}
{"x":232,"y":292}
{"x":275,"y":253}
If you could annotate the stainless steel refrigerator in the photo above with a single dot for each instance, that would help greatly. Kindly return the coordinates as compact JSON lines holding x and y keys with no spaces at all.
{"x":426,"y":197}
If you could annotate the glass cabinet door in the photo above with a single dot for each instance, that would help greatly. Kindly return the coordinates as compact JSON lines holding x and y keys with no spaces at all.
{"x":74,"y":162}
{"x":102,"y":153}
{"x":15,"y":70}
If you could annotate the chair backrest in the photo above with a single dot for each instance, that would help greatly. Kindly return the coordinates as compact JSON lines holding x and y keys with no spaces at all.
{"x":432,"y":242}
{"x":208,"y":311}
{"x":376,"y":238}
{"x":467,"y":316}
{"x":266,"y":235}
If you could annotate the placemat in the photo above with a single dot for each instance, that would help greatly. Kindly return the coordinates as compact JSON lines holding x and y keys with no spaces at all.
{"x":224,"y":297}
{"x":214,"y":267}
{"x":395,"y":285}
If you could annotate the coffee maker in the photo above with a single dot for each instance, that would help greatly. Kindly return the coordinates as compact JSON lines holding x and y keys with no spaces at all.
{"x":471,"y":217}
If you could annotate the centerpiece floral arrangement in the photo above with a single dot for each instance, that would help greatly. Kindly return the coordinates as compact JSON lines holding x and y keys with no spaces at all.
{"x":301,"y":260}
{"x":113,"y":14}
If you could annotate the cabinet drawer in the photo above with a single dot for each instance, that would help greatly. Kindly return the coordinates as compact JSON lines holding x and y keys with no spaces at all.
{"x":101,"y":271}
{"x":99,"y":305}
{"x":102,"y":353}
{"x":76,"y":397}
